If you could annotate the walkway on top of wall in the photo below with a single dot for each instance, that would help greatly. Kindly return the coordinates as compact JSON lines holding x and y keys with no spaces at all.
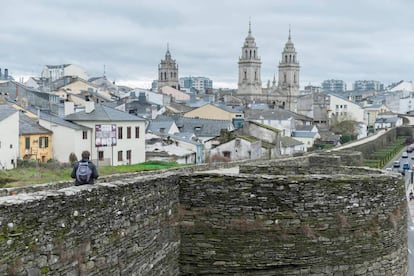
{"x":360,"y":141}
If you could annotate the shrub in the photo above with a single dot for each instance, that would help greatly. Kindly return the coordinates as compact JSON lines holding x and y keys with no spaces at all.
{"x":72,"y":158}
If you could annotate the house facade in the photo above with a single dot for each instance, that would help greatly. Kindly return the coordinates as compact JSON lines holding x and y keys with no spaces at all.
{"x":215,"y":112}
{"x":9,"y":138}
{"x":35,"y":141}
{"x":67,"y":137}
{"x":340,"y":109}
{"x":117,"y":138}
{"x":239,"y":148}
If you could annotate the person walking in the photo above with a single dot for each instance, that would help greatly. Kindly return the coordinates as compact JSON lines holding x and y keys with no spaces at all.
{"x":84,"y":171}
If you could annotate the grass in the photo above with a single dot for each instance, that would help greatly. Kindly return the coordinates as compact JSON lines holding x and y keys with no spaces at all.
{"x":38,"y":175}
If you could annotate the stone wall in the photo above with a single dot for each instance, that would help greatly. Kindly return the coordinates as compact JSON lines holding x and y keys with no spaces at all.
{"x":285,"y":217}
{"x":126,"y":227}
{"x":293,"y":225}
{"x":380,"y":142}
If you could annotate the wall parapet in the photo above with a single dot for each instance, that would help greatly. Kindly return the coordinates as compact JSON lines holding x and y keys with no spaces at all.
{"x":279,"y":217}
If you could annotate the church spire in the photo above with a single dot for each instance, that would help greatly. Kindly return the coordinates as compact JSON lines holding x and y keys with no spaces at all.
{"x":250,"y":26}
{"x":289,"y":38}
{"x":249,"y":66}
{"x":168,"y":54}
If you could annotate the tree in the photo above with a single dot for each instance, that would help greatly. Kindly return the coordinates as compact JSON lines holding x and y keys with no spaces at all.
{"x":347,"y":129}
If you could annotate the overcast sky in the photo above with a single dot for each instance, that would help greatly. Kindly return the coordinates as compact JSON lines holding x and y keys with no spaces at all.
{"x":335,"y":39}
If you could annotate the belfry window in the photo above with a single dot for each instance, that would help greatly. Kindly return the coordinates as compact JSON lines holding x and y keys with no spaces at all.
{"x":245,"y":75}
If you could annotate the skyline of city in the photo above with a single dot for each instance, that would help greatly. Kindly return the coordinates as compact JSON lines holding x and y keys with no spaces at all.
{"x":333,"y":41}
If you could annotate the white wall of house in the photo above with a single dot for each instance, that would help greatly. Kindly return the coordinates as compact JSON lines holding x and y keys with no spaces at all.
{"x":307,"y":141}
{"x":9,"y":141}
{"x":293,"y":149}
{"x":345,"y":110}
{"x":118,"y":154}
{"x":285,"y":126}
{"x":67,"y":140}
{"x":238,"y":149}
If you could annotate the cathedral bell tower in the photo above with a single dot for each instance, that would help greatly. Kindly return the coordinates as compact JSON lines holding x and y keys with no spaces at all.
{"x":288,"y":85}
{"x":249,"y":67}
{"x":168,"y":71}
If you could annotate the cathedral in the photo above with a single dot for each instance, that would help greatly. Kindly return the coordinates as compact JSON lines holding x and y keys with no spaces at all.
{"x":168,"y":72}
{"x":283,"y":94}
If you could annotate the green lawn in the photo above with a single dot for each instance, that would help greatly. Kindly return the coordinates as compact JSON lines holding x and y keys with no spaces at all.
{"x":44,"y":174}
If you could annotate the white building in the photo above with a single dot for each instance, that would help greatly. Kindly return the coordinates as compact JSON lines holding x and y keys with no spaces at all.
{"x":240,"y":148}
{"x":199,"y":83}
{"x":341,"y":109}
{"x":117,"y":138}
{"x":67,"y":137}
{"x":9,"y":137}
{"x":55,"y":72}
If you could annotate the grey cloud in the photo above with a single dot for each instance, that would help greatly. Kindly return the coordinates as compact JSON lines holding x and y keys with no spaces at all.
{"x":349,"y":40}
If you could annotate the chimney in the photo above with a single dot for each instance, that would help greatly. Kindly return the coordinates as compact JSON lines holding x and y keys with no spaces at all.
{"x":69,"y":108}
{"x":6,"y":74}
{"x":142,"y":98}
{"x":154,"y":111}
{"x":89,"y":106}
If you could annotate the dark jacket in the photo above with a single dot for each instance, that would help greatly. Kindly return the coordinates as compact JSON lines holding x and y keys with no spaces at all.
{"x":91,"y":165}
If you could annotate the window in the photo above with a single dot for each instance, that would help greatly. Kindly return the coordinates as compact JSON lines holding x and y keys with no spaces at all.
{"x":101,"y":155}
{"x":136,"y":132}
{"x":27,"y":143}
{"x":119,"y":132}
{"x":226,"y":154}
{"x":128,"y":155}
{"x":43,"y":142}
{"x":120,"y":155}
{"x":84,"y":135}
{"x":128,"y":132}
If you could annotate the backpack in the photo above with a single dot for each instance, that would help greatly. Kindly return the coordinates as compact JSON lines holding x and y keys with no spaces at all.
{"x":83,"y":173}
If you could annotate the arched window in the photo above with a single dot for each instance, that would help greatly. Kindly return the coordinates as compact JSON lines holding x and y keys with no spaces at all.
{"x":284,"y":78}
{"x":255,"y":75}
{"x":165,"y":75}
{"x":171,"y":74}
{"x":286,"y":58}
{"x":254,"y":53}
{"x":250,"y":54}
{"x":290,"y":58}
{"x":160,"y":75}
{"x":245,"y":75}
{"x":294,"y":78}
{"x":245,"y":53}
{"x":294,"y":58}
